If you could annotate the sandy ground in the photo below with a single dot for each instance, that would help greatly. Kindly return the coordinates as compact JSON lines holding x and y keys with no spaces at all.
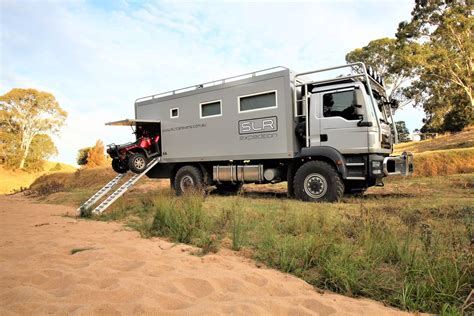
{"x":125,"y":274}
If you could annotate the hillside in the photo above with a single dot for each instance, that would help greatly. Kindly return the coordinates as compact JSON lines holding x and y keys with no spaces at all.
{"x":447,"y":154}
{"x":464,"y":139}
{"x":11,"y":181}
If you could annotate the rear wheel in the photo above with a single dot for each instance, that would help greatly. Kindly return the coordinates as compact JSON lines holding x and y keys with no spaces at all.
{"x":188,"y":179}
{"x":119,"y":166}
{"x":137,"y":162}
{"x":318,"y":181}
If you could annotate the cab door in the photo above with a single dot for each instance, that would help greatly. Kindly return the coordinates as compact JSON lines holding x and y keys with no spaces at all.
{"x":335,"y":113}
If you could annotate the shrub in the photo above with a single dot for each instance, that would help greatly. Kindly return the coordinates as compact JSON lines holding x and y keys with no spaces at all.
{"x":181,"y":219}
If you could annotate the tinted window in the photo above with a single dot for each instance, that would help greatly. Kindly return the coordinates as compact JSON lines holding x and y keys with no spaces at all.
{"x":211,"y":109}
{"x":340,"y":104}
{"x":256,"y":102}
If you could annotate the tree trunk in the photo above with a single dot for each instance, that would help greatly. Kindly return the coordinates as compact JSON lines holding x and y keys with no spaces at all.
{"x":25,"y":153}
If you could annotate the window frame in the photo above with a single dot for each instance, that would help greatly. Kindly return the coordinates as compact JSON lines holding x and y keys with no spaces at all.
{"x":255,"y":94}
{"x":323,"y":93}
{"x":209,"y":102}
{"x":171,"y":113}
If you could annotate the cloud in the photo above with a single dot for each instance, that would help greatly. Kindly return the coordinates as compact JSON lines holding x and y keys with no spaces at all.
{"x":97,"y":58}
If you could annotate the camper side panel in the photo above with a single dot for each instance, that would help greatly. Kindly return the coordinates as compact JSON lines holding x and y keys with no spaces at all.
{"x":234,"y":132}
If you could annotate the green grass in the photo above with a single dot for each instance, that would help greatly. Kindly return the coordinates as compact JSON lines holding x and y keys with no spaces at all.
{"x":407,"y":244}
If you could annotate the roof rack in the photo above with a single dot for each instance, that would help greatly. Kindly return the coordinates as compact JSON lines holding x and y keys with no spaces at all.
{"x":212,"y":83}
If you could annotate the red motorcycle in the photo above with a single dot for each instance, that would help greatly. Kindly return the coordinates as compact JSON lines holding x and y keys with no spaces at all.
{"x":135,"y":155}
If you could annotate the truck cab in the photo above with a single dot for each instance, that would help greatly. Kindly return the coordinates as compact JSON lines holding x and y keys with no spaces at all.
{"x":351,"y":117}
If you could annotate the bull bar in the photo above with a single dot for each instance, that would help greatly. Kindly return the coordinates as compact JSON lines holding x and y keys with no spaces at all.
{"x":398,"y":165}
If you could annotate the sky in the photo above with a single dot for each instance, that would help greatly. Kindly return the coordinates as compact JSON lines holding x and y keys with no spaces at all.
{"x":97,"y":57}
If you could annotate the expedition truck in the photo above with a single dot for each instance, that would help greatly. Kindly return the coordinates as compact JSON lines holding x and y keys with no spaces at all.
{"x":325,"y":137}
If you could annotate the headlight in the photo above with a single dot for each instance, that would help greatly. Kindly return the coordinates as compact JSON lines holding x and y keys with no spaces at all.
{"x":376,"y":167}
{"x":376,"y":164}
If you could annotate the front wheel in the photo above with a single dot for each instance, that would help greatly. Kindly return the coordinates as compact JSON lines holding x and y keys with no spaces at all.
{"x":119,"y":166}
{"x":318,"y":181}
{"x":137,"y":162}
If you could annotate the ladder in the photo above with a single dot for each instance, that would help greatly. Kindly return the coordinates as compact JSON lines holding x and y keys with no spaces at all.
{"x":117,"y":193}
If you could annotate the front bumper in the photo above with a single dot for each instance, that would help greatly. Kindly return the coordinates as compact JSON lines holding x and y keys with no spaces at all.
{"x":398,"y":165}
{"x":112,"y":150}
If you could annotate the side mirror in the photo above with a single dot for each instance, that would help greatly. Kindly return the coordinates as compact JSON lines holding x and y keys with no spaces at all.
{"x":394,"y":104}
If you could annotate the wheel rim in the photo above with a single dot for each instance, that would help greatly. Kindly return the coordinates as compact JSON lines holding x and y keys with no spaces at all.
{"x":186,"y":183}
{"x":315,"y":185}
{"x":139,"y":163}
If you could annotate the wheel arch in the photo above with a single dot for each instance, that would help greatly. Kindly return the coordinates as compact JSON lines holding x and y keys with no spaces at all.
{"x":326,"y":154}
{"x":198,"y":165}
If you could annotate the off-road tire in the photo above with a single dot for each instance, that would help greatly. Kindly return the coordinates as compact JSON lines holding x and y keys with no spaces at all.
{"x":188,"y":178}
{"x":318,"y":181}
{"x":228,"y":188}
{"x":119,"y":166}
{"x":137,"y":162}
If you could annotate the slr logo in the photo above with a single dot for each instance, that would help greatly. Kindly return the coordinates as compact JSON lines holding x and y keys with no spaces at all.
{"x":258,"y":125}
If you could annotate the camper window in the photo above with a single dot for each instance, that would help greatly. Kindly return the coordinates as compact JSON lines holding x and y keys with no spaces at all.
{"x":259,"y":101}
{"x":174,"y":113}
{"x":210,"y":109}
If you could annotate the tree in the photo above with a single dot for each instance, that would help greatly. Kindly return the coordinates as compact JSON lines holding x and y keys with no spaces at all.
{"x":82,"y":156}
{"x":41,"y":148}
{"x":402,"y":130}
{"x":96,"y":155}
{"x":444,"y":75}
{"x":394,"y":62}
{"x":26,"y":113}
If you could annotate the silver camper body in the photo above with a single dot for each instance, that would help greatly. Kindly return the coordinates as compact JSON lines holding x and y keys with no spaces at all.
{"x":234,"y":132}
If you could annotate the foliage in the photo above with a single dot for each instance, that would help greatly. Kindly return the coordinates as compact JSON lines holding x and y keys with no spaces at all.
{"x":41,"y":149}
{"x":402,"y":130}
{"x":394,"y":62}
{"x":430,"y":63}
{"x":95,"y":155}
{"x":443,"y":82}
{"x":57,"y":167}
{"x":82,"y":156}
{"x":25,"y":114}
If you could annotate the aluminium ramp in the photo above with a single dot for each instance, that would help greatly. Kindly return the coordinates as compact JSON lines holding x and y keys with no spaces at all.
{"x":93,"y":199}
{"x":117,"y":193}
{"x":124,"y":188}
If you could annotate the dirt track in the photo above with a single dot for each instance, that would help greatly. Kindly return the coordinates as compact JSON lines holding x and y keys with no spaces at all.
{"x":125,"y":274}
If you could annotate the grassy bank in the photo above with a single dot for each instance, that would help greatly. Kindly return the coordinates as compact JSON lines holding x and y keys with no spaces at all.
{"x":464,"y":139}
{"x":407,"y":244}
{"x":444,"y":162}
{"x":17,"y":180}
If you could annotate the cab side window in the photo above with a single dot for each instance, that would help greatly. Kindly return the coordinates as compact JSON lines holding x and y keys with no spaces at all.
{"x":342,"y":104}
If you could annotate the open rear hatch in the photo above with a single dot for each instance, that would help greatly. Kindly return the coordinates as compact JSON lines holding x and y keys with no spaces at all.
{"x":132,"y":122}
